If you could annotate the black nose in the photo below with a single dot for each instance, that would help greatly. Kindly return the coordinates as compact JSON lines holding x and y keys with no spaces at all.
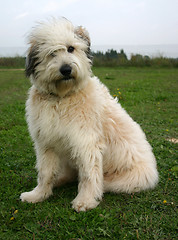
{"x":66,"y":70}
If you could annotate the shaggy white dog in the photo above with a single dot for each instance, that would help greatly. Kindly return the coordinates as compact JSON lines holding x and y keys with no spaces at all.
{"x":78,"y":129}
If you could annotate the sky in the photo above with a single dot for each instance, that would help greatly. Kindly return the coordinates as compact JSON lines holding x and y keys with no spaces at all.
{"x":109,"y":22}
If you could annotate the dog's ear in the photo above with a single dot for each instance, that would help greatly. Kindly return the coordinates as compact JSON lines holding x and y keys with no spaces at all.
{"x":31,"y":60}
{"x":82,"y":33}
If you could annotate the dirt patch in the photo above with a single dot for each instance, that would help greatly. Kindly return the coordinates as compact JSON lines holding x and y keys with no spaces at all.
{"x":12,"y":69}
{"x":173,"y":140}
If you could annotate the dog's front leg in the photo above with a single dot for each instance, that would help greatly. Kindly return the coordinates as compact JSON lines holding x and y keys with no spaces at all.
{"x":47,"y":166}
{"x":90,"y":188}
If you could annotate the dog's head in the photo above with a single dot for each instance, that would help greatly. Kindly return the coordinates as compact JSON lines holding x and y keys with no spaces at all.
{"x":59,"y":59}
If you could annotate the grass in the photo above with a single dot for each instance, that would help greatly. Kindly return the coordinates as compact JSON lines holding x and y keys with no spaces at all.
{"x":149,"y":95}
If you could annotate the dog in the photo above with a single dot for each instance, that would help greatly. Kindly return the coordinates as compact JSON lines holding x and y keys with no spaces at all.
{"x":79,"y":130}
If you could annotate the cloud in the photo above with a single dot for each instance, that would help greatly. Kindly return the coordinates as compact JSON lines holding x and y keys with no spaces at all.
{"x":22,"y":15}
{"x":54,"y":5}
{"x":51,"y":6}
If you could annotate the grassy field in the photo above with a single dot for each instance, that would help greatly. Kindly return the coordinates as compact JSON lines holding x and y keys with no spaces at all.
{"x":150,"y":96}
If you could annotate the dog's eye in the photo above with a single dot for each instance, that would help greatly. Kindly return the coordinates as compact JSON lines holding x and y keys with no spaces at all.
{"x":70,"y":49}
{"x":53,"y":54}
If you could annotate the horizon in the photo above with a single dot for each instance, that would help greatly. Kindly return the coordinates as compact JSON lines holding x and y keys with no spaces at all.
{"x":151,"y":50}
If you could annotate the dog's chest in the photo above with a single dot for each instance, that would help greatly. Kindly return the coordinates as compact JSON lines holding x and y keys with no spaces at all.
{"x":48,"y":122}
{"x":56,"y":124}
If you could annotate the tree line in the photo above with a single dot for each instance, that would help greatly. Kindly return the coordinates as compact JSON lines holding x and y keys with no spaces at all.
{"x":113,"y":58}
{"x":110,"y":58}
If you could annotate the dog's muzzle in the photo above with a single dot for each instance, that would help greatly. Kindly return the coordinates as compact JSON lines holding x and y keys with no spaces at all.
{"x":66,"y":70}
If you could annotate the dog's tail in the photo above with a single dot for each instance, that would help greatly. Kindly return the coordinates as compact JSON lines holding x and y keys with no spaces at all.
{"x":142,"y":176}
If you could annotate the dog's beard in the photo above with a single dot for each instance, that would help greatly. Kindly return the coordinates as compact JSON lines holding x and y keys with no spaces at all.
{"x":62,"y":85}
{"x":66,"y":79}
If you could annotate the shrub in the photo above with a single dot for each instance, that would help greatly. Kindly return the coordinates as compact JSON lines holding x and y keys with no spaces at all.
{"x":12,"y":62}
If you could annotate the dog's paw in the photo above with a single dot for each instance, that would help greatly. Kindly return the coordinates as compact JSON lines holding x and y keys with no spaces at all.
{"x":36,"y":195}
{"x":82,"y":204}
{"x":31,"y":197}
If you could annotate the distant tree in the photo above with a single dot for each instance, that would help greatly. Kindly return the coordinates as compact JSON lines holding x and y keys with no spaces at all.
{"x":147,"y":60}
{"x":122,"y":55}
{"x":122,"y":58}
{"x":98,"y":54}
{"x":137,"y":60}
{"x":111,"y":54}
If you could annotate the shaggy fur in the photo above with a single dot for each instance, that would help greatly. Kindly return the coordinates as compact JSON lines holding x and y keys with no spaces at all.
{"x":78,"y":129}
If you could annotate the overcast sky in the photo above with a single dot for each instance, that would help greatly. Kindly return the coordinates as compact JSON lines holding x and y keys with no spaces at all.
{"x":112,"y":22}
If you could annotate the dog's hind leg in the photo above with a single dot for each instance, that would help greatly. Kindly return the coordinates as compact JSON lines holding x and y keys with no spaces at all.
{"x":48,"y":169}
{"x":140,"y":177}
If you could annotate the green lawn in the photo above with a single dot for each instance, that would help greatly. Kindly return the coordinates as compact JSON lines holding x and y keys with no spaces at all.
{"x":150,"y":96}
